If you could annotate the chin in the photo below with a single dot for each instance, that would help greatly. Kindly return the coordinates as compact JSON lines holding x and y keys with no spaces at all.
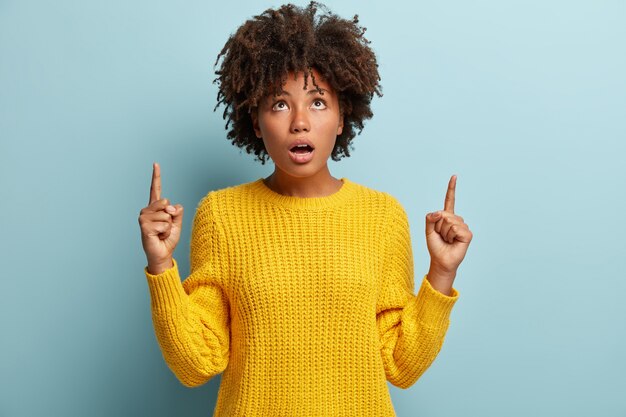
{"x":300,"y":170}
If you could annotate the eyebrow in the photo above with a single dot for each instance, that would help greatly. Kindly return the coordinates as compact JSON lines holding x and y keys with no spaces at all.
{"x":286,"y":93}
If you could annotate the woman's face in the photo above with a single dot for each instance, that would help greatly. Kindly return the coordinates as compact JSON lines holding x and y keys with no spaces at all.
{"x":298,"y":114}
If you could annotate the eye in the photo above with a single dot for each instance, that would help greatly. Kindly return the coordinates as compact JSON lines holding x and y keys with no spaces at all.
{"x":318,"y":103}
{"x":279,"y":106}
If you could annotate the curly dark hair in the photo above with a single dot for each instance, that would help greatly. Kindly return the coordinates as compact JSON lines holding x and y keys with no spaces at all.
{"x":259,"y":56}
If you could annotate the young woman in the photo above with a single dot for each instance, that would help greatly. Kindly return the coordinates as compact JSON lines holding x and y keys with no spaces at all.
{"x":302,"y":285}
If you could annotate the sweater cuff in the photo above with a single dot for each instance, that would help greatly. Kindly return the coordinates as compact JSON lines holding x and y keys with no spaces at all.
{"x":432,"y":307}
{"x":166,"y":289}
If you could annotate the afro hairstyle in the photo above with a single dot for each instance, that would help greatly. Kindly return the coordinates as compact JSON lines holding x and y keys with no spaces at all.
{"x":257,"y":58}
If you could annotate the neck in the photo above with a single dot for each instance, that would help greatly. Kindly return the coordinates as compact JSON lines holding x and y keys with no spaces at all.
{"x":321,"y":184}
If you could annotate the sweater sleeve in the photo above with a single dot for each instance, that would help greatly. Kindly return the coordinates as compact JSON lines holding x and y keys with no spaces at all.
{"x":411,"y":327}
{"x":191,"y":319}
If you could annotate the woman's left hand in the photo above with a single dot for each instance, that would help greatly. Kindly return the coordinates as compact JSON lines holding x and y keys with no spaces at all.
{"x":447,"y":237}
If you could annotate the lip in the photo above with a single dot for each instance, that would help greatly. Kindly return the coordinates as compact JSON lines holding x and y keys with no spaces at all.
{"x":301,"y":141}
{"x":301,"y":158}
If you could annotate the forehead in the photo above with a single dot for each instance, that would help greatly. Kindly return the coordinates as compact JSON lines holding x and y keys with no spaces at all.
{"x":295,"y":81}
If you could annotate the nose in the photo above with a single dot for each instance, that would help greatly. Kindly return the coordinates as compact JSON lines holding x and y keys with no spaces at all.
{"x":300,"y":121}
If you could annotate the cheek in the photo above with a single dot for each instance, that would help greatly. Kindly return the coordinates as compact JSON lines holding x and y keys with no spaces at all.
{"x":265,"y":127}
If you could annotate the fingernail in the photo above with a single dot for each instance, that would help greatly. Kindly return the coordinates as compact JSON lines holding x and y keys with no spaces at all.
{"x":170,"y":209}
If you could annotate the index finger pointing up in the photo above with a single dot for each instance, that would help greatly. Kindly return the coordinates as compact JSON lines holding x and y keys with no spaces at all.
{"x":448,"y":204}
{"x":155,"y":187}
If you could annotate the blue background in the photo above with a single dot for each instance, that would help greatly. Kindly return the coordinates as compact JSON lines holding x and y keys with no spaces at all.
{"x":524,"y":100}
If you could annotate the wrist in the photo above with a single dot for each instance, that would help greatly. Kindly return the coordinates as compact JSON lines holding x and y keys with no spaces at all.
{"x":441,"y":279}
{"x":157,"y":268}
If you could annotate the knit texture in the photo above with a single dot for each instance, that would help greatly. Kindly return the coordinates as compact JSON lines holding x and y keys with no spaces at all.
{"x":306,"y":305}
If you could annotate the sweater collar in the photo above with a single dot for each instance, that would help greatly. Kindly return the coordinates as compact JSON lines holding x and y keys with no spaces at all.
{"x":344,"y":193}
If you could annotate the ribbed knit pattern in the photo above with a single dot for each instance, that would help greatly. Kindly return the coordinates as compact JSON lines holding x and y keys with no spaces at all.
{"x":306,"y":305}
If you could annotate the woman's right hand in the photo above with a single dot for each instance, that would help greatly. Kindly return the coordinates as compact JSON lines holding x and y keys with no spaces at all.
{"x":161,"y":224}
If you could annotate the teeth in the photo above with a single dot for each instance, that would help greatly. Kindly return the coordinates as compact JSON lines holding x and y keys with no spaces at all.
{"x":302,"y":146}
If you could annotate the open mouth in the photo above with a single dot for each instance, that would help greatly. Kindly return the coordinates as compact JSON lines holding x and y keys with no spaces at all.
{"x":301,"y":149}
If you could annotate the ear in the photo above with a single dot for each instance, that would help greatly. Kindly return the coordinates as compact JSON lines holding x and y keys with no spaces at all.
{"x":254,"y":115}
{"x":340,"y":127}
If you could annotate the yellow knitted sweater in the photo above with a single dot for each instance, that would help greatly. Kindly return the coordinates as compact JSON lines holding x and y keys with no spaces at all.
{"x":306,"y":305}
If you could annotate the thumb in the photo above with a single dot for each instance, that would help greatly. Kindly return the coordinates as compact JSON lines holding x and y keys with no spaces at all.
{"x":177,"y":216}
{"x":431,"y":220}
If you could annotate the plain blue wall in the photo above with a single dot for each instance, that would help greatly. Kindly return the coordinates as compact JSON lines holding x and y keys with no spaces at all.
{"x":524,"y":100}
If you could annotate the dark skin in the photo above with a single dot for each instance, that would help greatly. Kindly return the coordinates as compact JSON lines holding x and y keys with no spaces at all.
{"x":299,"y":113}
{"x":447,"y":238}
{"x":161,"y":225}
